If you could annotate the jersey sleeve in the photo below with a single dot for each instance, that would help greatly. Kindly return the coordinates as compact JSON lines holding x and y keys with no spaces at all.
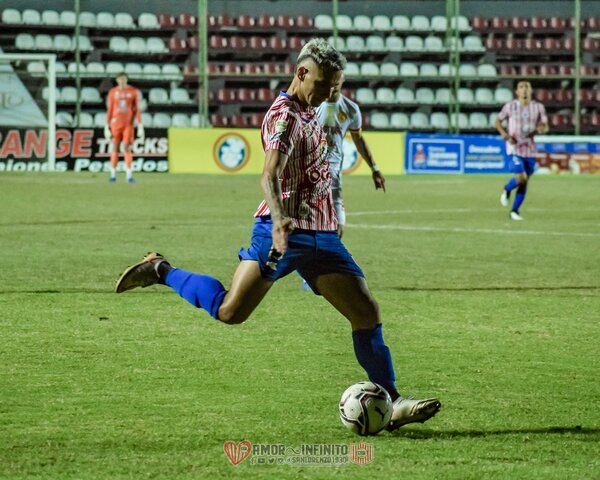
{"x":356,"y":118}
{"x":505,"y":112}
{"x":282,"y":132}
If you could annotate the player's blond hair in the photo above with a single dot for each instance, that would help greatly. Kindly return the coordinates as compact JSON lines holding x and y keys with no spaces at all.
{"x":323,"y":54}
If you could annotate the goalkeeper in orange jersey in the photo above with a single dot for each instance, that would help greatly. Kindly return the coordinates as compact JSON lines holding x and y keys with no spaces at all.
{"x":123,"y":105}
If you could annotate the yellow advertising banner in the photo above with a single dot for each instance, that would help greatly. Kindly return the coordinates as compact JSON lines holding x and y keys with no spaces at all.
{"x":239,"y":151}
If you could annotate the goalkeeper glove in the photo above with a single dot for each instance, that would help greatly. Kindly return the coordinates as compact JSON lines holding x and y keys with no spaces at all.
{"x":107,"y":134}
{"x":140,"y":131}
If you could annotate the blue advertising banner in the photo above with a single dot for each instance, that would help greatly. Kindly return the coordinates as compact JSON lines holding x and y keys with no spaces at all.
{"x":432,"y":153}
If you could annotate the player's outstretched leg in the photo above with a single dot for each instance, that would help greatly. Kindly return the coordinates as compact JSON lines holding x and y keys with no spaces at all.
{"x":508,"y":188}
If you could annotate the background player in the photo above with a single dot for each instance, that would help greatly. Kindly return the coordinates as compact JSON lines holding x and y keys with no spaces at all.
{"x":338,"y":114}
{"x":526,"y":117}
{"x":295,"y":229}
{"x":123,"y":107}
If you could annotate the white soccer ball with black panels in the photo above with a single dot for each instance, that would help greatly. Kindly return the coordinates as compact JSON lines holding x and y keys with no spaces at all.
{"x":365,"y":408}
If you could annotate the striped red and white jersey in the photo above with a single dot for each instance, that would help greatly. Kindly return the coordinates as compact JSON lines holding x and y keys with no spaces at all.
{"x":294,"y":129}
{"x":523,"y":120}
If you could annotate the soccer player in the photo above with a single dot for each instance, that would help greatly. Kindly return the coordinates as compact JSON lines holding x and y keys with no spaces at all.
{"x":295,"y":229}
{"x":526,"y":117}
{"x":123,"y":107}
{"x":338,"y":114}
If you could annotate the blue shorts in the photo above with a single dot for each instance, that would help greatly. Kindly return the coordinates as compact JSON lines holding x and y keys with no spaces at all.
{"x":312,"y":253}
{"x":523,"y":165}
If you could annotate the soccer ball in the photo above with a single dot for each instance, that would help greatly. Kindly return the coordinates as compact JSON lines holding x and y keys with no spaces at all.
{"x":365,"y":408}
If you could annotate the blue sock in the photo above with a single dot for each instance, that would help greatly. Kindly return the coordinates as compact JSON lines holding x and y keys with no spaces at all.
{"x":511,"y":185}
{"x":519,"y":197}
{"x":201,"y":291}
{"x":375,"y":357}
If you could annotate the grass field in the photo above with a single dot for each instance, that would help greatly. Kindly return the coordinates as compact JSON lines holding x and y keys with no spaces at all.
{"x":499,"y":319}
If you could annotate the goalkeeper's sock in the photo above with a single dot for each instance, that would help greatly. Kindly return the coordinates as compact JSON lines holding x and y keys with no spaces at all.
{"x":128,"y":163}
{"x":201,"y":291}
{"x":113,"y":172}
{"x":374,"y":356}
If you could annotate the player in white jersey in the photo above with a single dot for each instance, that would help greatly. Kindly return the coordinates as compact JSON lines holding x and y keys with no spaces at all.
{"x":338,"y":114}
{"x":526,"y":117}
{"x":295,"y":229}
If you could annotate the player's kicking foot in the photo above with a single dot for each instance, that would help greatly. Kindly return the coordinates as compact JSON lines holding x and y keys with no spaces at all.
{"x":505,"y":198}
{"x":131,"y":180}
{"x":514,"y":215}
{"x":112,"y":179}
{"x":142,"y":274}
{"x":409,"y":410}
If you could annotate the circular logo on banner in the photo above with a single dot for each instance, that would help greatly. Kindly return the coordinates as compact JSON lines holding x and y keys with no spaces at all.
{"x":231,"y":152}
{"x":351,"y":158}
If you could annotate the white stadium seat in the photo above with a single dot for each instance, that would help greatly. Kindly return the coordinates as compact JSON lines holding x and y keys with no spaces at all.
{"x":487,"y":70}
{"x":86,"y":120}
{"x":424,"y":95}
{"x":44,"y":42}
{"x":105,"y":20}
{"x":124,"y":20}
{"x":419,"y":120}
{"x":148,"y":20}
{"x":405,"y":95}
{"x":87,"y":19}
{"x":478,"y":120}
{"x":112,"y":68}
{"x":72,"y":69}
{"x":46,"y":91}
{"x":472,"y":43}
{"x":365,"y":95}
{"x":31,"y":17}
{"x":503,"y":95}
{"x":492,"y":119}
{"x":401,"y":23}
{"x":399,"y":120}
{"x":409,"y":69}
{"x":389,"y":69}
{"x":323,"y":22}
{"x":394,"y":44}
{"x":118,"y":44}
{"x":11,"y":16}
{"x":62,"y":43}
{"x":439,"y":24}
{"x":151,"y":71}
{"x":147,"y":120}
{"x":484,"y":96}
{"x":428,"y":70}
{"x":379,"y":120}
{"x":466,"y":96}
{"x":344,"y":22}
{"x":433,"y":44}
{"x":420,"y":23}
{"x":68,"y":95}
{"x":362,"y":23}
{"x":463,"y":23}
{"x":67,"y":18}
{"x":50,"y":17}
{"x":180,"y":96}
{"x":137,"y":45}
{"x":180,"y":120}
{"x":24,"y":41}
{"x":134,"y":70}
{"x":95,"y":69}
{"x":385,"y":95}
{"x":60,"y":68}
{"x":467,"y":70}
{"x":64,"y":119}
{"x":439,"y":120}
{"x":413,"y":43}
{"x":90,"y":95}
{"x":382,"y":23}
{"x":156,"y":45}
{"x":354,"y":43}
{"x":369,"y":69}
{"x":171,"y":71}
{"x":352,"y":69}
{"x":375,"y":43}
{"x":338,"y":43}
{"x":85,"y":45}
{"x":463,"y":120}
{"x":161,"y":120}
{"x":442,"y":96}
{"x":158,"y":96}
{"x":446,"y":70}
{"x":100,"y":119}
{"x":36,"y":68}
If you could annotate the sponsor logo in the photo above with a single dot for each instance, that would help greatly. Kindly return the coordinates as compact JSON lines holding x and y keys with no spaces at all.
{"x":231,"y":152}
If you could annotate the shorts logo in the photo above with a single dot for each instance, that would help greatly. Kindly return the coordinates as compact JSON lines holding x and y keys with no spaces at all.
{"x":231,"y":152}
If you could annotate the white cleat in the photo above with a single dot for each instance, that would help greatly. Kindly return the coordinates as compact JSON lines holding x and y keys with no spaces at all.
{"x":515,"y":216}
{"x":409,"y":410}
{"x":504,"y":200}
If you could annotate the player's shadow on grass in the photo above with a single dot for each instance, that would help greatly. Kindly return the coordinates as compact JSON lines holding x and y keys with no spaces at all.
{"x":592,"y":433}
{"x":492,"y":289}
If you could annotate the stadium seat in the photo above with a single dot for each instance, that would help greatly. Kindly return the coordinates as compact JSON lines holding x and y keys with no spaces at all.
{"x":245,"y":95}
{"x":161,"y":120}
{"x":389,"y":69}
{"x":99,"y":119}
{"x":31,"y":17}
{"x":68,"y":95}
{"x":352,"y":69}
{"x":419,"y":23}
{"x":124,"y":20}
{"x":46,"y":91}
{"x":87,"y":19}
{"x":439,"y":24}
{"x":151,"y":71}
{"x":446,"y":70}
{"x":256,"y":120}
{"x":36,"y":69}
{"x":424,"y":95}
{"x":419,"y":120}
{"x":538,"y":23}
{"x":467,"y":70}
{"x":218,"y":121}
{"x":166,"y":21}
{"x":296,"y":43}
{"x":382,"y":23}
{"x":187,"y":20}
{"x":50,"y":17}
{"x":72,"y":69}
{"x":499,"y":24}
{"x":284,"y":22}
{"x":11,"y":16}
{"x":461,"y":119}
{"x":405,"y":95}
{"x":86,"y":120}
{"x":478,"y":121}
{"x":180,"y":96}
{"x":479,"y":22}
{"x":178,"y":45}
{"x":563,"y":96}
{"x":118,"y":44}
{"x":245,"y":22}
{"x":148,"y":21}
{"x":64,"y":119}
{"x":484,"y":96}
{"x":487,"y":70}
{"x":85,"y":45}
{"x":95,"y":69}
{"x":369,"y":69}
{"x":60,"y":68}
{"x":344,"y":23}
{"x":303,"y":22}
{"x":195,"y":120}
{"x":442,"y":96}
{"x":385,"y":95}
{"x":354,"y":43}
{"x":365,"y":96}
{"x":399,"y":120}
{"x":62,"y":43}
{"x":276,"y":43}
{"x":472,"y":43}
{"x":180,"y":120}
{"x":492,"y":119}
{"x":394,"y":44}
{"x":409,"y":69}
{"x":112,"y":68}
{"x":433,"y":44}
{"x":462,"y":23}
{"x":503,"y":95}
{"x":507,"y":70}
{"x":171,"y":71}
{"x":156,"y":45}
{"x":67,"y":18}
{"x":375,"y":43}
{"x":323,"y":22}
{"x":543,"y":95}
{"x":466,"y":96}
{"x":379,"y":120}
{"x":413,"y":43}
{"x":24,"y":41}
{"x":134,"y":70}
{"x":439,"y":121}
{"x":256,"y":42}
{"x":238,"y":121}
{"x":105,"y":20}
{"x":136,"y":45}
{"x":264,"y":95}
{"x":147,"y":119}
{"x":362,"y":23}
{"x":44,"y":42}
{"x":158,"y":96}
{"x":401,"y":23}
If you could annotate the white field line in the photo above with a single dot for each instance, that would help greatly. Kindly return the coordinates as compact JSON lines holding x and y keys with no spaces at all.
{"x":461,"y":210}
{"x":493,"y":231}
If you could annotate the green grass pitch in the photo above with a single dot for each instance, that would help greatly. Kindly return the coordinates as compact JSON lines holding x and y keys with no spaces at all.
{"x":499,"y":319}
